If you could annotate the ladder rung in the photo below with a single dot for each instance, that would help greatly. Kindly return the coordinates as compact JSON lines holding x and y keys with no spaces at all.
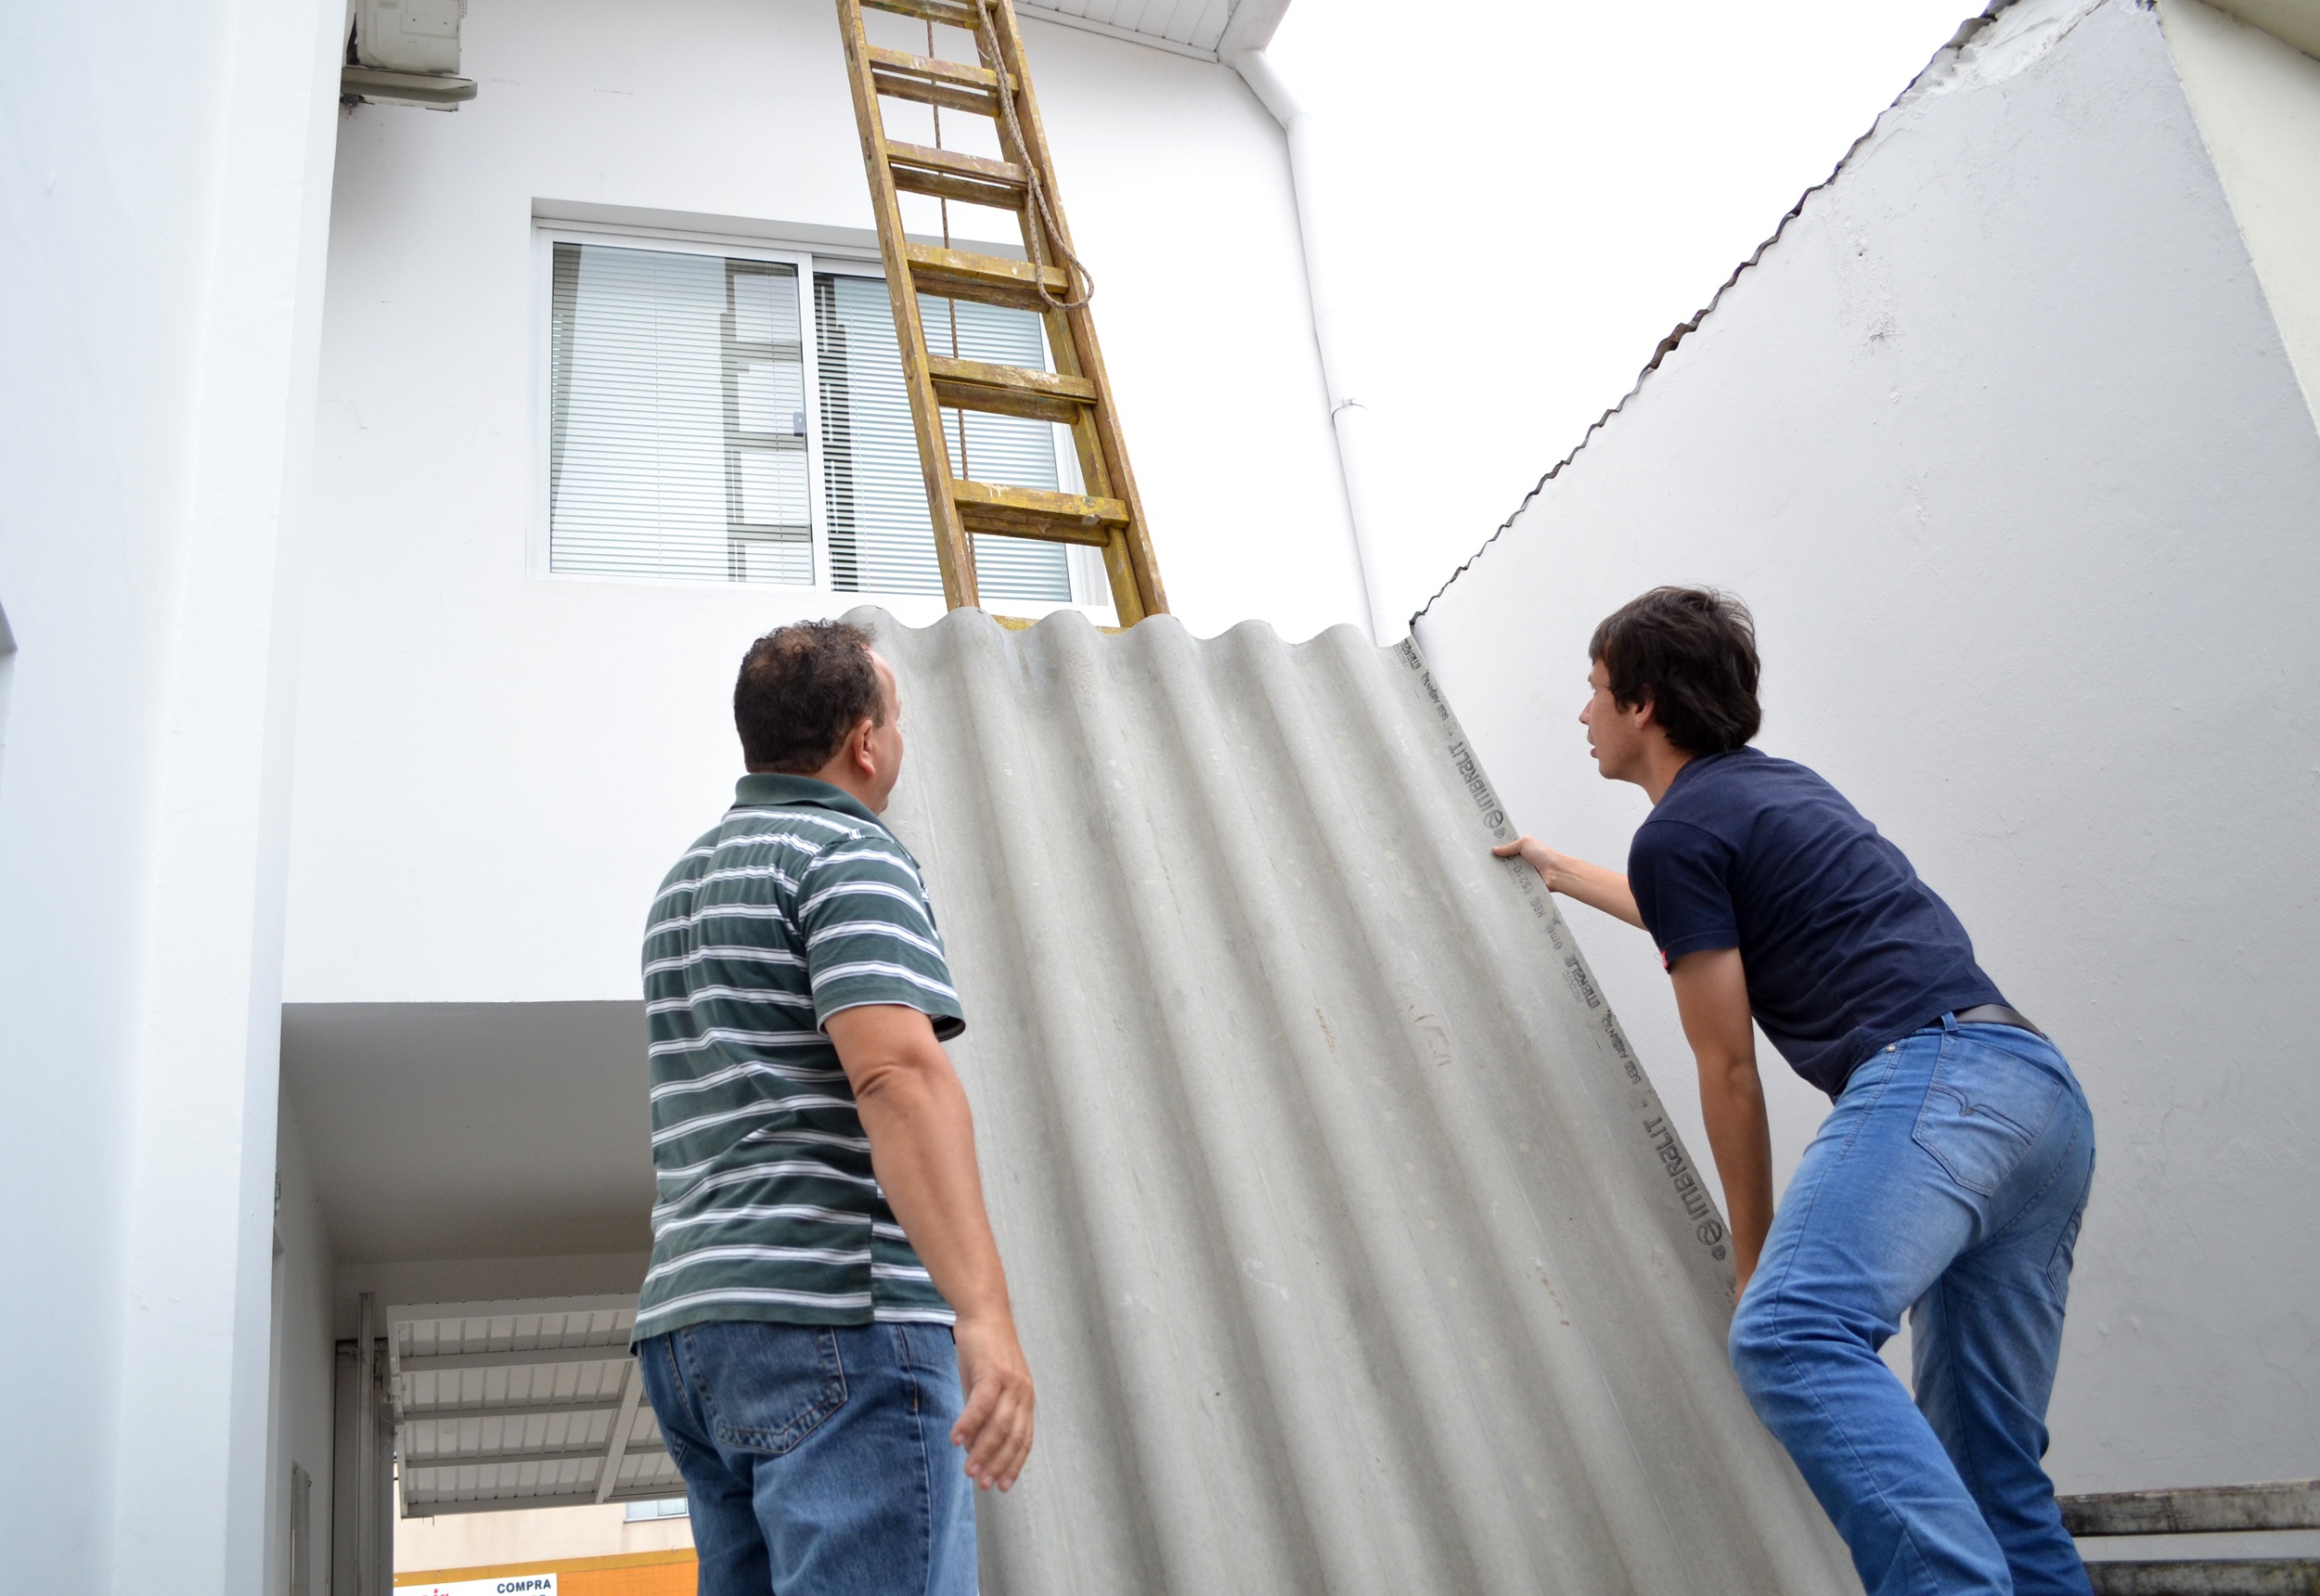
{"x":1008,"y":390}
{"x":1034,"y":512}
{"x":953,"y":175}
{"x":931,"y":91}
{"x":952,"y":13}
{"x":987,"y":279}
{"x":904,"y":63}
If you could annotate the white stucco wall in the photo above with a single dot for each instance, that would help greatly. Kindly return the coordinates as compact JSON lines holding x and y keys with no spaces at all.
{"x":2257,"y":101}
{"x":166,"y":191}
{"x":2002,"y":442}
{"x":533,"y":751}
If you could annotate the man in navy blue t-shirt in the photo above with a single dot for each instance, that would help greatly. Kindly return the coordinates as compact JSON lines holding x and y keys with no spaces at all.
{"x":1949,"y":1179}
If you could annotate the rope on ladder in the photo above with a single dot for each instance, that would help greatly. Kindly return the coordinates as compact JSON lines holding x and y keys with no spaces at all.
{"x":986,"y":36}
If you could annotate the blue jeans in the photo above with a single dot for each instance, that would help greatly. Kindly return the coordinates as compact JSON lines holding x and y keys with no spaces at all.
{"x":818,"y":1458}
{"x":1948,"y":1180}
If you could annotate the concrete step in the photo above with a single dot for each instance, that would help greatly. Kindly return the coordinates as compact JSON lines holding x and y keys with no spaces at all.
{"x":2208,"y":1577}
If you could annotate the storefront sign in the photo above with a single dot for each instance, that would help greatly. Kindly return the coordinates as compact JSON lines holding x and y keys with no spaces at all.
{"x":506,"y":1585}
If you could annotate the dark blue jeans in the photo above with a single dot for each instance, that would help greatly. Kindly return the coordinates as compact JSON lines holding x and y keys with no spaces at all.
{"x":1949,"y":1180}
{"x":817,"y":1459}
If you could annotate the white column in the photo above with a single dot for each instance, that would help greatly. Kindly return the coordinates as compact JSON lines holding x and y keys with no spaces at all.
{"x":190,"y":1491}
{"x":1347,"y":417}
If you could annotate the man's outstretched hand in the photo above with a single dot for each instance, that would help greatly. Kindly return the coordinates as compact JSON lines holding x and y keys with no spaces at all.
{"x":995,"y":1426}
{"x":1591,"y":884}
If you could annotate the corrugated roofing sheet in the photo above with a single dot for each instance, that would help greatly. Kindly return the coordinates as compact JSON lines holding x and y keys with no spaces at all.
{"x":1352,"y":1250}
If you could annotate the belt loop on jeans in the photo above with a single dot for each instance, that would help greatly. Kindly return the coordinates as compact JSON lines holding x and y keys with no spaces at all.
{"x":1949,"y":1023}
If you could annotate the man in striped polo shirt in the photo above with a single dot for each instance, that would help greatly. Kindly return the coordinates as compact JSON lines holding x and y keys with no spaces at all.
{"x":825,"y":1325}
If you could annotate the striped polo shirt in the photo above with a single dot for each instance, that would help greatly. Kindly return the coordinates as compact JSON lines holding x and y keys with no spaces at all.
{"x":798,"y":905}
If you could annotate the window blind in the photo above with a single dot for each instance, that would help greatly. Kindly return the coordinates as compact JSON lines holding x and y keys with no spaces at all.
{"x":881,"y":539}
{"x":676,"y":423}
{"x":677,"y":427}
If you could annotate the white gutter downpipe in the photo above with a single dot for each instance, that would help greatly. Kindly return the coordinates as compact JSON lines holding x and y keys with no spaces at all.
{"x":1347,"y":417}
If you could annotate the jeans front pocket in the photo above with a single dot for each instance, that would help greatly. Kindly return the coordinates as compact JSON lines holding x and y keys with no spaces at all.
{"x":772,"y":1385}
{"x":1983,"y":1110}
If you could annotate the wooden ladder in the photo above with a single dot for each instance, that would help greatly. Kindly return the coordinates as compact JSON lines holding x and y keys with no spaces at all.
{"x":1109,"y":514}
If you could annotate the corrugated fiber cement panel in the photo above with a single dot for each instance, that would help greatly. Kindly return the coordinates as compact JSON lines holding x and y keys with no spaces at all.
{"x":1352,"y":1250}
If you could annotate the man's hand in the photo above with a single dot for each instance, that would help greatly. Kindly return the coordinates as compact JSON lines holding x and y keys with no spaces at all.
{"x":995,"y":1427}
{"x":921,"y":1138}
{"x":1591,"y":884}
{"x":1712,"y":998}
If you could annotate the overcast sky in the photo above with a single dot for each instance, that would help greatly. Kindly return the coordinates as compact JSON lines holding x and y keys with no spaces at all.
{"x":1527,"y":195}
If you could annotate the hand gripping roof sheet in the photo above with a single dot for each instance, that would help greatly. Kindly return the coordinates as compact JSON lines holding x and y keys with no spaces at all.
{"x":1351,"y":1248}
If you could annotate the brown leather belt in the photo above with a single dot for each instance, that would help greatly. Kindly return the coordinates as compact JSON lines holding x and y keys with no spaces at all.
{"x":1997,"y":1015}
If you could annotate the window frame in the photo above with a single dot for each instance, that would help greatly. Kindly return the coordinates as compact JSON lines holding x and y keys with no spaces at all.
{"x":1091,"y":587}
{"x":661,"y":1514}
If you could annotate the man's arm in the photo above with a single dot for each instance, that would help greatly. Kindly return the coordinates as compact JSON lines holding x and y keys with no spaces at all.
{"x":922,"y":1137}
{"x":1712,"y":998}
{"x":1591,"y":884}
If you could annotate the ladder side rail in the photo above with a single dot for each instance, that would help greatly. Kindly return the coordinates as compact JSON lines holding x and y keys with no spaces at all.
{"x":1134,"y":570}
{"x":1119,"y":567}
{"x":953,"y":553}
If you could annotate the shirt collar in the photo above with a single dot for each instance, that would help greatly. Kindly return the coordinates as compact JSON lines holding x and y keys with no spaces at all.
{"x":772,"y":789}
{"x":1698,"y":760}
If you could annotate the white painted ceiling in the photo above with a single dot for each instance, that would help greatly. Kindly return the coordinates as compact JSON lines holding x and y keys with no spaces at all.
{"x":2297,"y":21}
{"x":474,"y":1130}
{"x":1191,"y":26}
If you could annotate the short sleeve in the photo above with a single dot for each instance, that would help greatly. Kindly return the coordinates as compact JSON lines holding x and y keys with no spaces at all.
{"x":1681,"y":876}
{"x":870,"y":935}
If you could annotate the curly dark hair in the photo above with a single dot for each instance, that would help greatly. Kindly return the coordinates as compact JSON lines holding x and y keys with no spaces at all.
{"x":1691,"y":651}
{"x":801,"y":689}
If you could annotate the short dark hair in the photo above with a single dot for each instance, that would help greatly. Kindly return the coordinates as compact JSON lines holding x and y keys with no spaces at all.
{"x":801,"y":689}
{"x":1691,"y":651}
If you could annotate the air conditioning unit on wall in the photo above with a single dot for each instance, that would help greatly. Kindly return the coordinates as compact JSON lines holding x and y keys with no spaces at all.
{"x":405,"y":52}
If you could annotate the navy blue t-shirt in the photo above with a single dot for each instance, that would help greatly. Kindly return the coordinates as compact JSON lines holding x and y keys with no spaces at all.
{"x":1845,"y":948}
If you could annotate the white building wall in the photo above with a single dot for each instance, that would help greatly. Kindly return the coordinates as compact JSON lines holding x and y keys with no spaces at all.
{"x":530,"y":751}
{"x":304,"y":1361}
{"x":457,"y":1541}
{"x":166,"y":191}
{"x":2002,"y":442}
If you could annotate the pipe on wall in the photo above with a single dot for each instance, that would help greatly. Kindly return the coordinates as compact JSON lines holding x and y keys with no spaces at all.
{"x":1350,"y":419}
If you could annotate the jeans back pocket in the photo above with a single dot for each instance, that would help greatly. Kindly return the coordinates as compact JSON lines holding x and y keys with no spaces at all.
{"x":771,"y":1385}
{"x":1983,"y":1110}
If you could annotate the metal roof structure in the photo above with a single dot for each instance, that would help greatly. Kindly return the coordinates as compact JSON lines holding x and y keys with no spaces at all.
{"x":1351,"y":1248}
{"x":522,"y":1404}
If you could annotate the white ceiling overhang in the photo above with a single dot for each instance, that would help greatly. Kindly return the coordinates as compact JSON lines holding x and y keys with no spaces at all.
{"x":1210,"y":29}
{"x":474,"y":1130}
{"x":2297,"y":21}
